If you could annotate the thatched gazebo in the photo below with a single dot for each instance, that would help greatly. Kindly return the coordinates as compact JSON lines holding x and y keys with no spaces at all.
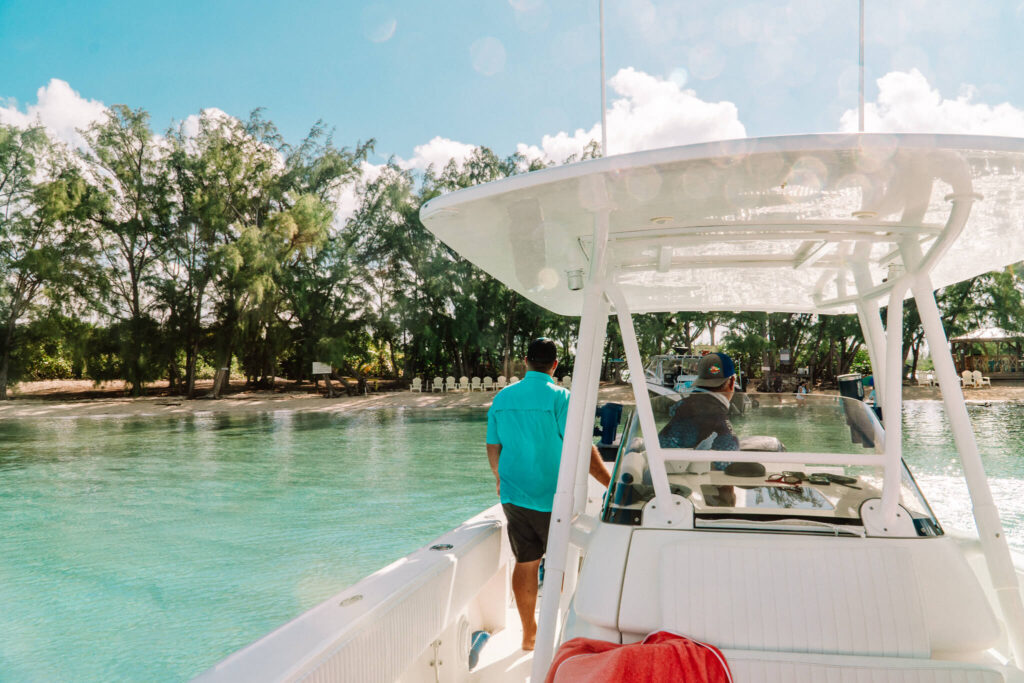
{"x":996,"y":352}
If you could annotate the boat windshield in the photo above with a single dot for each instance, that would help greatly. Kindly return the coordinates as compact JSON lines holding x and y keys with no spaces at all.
{"x":814,"y":497}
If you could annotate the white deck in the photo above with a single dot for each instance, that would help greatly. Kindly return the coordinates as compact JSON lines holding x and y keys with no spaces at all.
{"x":503,"y":659}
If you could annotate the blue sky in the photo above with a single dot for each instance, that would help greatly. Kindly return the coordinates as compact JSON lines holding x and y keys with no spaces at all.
{"x":504,"y":73}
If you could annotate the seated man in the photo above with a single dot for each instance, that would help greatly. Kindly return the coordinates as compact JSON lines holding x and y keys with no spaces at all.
{"x":705,"y":411}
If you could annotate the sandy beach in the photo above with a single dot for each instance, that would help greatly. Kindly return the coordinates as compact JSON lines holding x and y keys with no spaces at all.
{"x":81,"y":398}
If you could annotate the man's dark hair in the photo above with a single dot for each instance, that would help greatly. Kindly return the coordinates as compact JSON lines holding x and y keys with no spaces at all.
{"x":541,"y":355}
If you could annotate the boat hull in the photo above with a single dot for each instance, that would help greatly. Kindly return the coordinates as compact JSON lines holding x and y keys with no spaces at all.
{"x":409,"y":621}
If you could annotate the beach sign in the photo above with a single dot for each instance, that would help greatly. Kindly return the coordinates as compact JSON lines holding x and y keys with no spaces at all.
{"x":321,"y":368}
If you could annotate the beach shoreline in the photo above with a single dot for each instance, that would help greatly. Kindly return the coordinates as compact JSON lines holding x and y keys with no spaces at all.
{"x":71,"y":398}
{"x":81,"y":398}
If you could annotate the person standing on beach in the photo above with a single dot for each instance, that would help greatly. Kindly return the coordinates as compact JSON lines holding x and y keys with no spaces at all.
{"x":525,"y":429}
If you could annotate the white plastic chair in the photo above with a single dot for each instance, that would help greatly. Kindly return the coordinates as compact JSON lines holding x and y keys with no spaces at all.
{"x":488,"y":384}
{"x":501,"y":383}
{"x":980,"y":380}
{"x":417,"y":385}
{"x":967,"y":378}
{"x":931,"y":379}
{"x":475,"y":384}
{"x":449,"y":383}
{"x":513,"y":379}
{"x":438,"y":385}
{"x":567,"y":382}
{"x":463,"y":384}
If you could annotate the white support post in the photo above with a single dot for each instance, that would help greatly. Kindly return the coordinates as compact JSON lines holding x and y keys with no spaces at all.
{"x":892,"y":389}
{"x":991,"y":534}
{"x":599,"y":332}
{"x":986,"y":516}
{"x":557,"y":555}
{"x":587,"y":346}
{"x":648,"y":428}
{"x":874,"y":339}
{"x":870,"y":321}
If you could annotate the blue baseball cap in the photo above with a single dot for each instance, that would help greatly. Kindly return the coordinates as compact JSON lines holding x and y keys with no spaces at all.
{"x":713,"y":370}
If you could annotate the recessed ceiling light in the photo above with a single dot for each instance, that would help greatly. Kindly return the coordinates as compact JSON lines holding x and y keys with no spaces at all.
{"x":864,"y":214}
{"x":661,"y":220}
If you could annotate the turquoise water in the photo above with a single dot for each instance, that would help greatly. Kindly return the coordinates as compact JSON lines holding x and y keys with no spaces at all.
{"x":149,"y":549}
{"x":929,"y":450}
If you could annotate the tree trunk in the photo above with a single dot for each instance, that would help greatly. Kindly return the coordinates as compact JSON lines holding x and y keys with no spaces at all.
{"x":191,"y":354}
{"x":192,"y":343}
{"x":5,"y":361}
{"x":224,"y":358}
{"x":223,"y":367}
{"x":135,"y":362}
{"x":4,"y":364}
{"x":135,"y":359}
{"x":394,"y":358}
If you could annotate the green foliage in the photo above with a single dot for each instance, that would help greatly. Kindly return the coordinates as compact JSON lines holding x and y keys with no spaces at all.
{"x":133,"y":221}
{"x":175,"y":255}
{"x":45,"y":252}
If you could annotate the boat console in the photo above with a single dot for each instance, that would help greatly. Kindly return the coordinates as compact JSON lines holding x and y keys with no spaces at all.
{"x":779,"y":496}
{"x":784,"y":563}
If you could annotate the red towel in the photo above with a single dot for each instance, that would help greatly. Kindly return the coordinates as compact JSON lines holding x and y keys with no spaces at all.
{"x":662,"y":656}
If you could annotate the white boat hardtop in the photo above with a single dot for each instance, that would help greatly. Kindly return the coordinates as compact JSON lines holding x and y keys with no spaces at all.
{"x":846,"y":576}
{"x":768,"y":224}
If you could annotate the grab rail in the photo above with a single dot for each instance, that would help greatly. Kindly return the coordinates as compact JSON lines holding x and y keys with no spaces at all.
{"x":685,"y":455}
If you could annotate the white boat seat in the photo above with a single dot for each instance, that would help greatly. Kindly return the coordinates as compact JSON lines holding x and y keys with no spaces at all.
{"x":796,"y":593}
{"x":770,"y":667}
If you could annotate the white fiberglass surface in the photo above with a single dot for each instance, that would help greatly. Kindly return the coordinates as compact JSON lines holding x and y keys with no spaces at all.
{"x":757,"y":224}
{"x":785,"y":422}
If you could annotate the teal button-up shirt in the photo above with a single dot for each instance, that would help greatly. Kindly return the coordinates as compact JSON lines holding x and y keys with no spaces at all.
{"x":528,"y":420}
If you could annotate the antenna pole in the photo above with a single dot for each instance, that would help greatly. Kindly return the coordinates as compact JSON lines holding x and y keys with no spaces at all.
{"x":861,"y":64}
{"x":604,"y":119}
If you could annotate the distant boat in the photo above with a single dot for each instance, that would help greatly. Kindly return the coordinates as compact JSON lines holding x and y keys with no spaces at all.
{"x":671,"y":372}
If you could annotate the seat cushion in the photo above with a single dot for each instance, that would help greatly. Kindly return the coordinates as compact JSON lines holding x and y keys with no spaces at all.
{"x":776,"y":592}
{"x":763,"y":667}
{"x":854,"y":600}
{"x":802,"y":593}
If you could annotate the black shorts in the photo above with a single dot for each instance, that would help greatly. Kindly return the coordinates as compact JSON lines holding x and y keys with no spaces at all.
{"x":527,"y":532}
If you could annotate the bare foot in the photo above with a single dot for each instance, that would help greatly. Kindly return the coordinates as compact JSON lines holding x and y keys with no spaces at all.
{"x":529,"y":637}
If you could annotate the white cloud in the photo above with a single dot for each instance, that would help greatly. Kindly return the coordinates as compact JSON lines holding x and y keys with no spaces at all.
{"x":651,"y":113}
{"x":437,"y":153}
{"x":190,"y":126}
{"x":61,"y":110}
{"x":907,"y":103}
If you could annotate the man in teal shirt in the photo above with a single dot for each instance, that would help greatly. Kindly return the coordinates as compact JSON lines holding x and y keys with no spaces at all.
{"x":525,"y":428}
